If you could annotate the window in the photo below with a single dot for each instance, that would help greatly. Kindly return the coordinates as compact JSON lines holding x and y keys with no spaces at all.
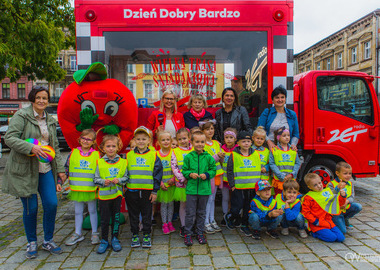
{"x":318,"y":66}
{"x":60,"y":61}
{"x":21,"y":90}
{"x":328,"y":64}
{"x":367,"y":50}
{"x":130,"y":68}
{"x":73,"y":62}
{"x":354,"y":55}
{"x":347,"y":96}
{"x":340,"y":60}
{"x":148,"y":90}
{"x":6,"y":91}
{"x":131,"y":87}
{"x":148,"y":69}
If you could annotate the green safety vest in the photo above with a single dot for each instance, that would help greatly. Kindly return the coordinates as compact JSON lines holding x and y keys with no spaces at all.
{"x":224,"y":165}
{"x":327,"y":200}
{"x":82,"y":171}
{"x":265,"y":208}
{"x":247,"y":170}
{"x":140,"y":169}
{"x":347,"y":189}
{"x":110,"y":171}
{"x":213,"y":150}
{"x":284,"y":160}
{"x":281,"y":203}
{"x":264,"y":158}
{"x":180,"y":154}
{"x":166,"y":164}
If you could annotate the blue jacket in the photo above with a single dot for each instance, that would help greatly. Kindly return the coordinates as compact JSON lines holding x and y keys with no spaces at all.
{"x":191,"y":121}
{"x":268,"y":115}
{"x":291,"y":213}
{"x":263,"y":215}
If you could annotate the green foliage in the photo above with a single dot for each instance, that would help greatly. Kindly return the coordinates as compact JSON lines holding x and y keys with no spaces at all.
{"x":31,"y":37}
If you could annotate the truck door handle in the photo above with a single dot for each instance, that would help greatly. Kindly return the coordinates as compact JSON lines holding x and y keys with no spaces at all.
{"x":320,"y":134}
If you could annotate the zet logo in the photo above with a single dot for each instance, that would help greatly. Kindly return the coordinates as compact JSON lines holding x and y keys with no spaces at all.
{"x":165,"y":163}
{"x":113,"y":172}
{"x":140,"y":161}
{"x":285,"y":157}
{"x":84,"y":164}
{"x":247,"y":162}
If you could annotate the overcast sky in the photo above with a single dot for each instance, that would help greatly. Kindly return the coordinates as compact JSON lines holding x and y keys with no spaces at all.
{"x":317,"y":19}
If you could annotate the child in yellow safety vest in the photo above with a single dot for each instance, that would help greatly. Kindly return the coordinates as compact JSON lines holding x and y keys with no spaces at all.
{"x":283,"y":160}
{"x":318,"y":207}
{"x":263,"y":211}
{"x":230,"y":135}
{"x":145,"y":175}
{"x":243,"y":172}
{"x":258,"y":138}
{"x":291,"y":205}
{"x":165,"y":194}
{"x":350,"y":208}
{"x":110,"y":176}
{"x":80,"y":168}
{"x":213,"y":147}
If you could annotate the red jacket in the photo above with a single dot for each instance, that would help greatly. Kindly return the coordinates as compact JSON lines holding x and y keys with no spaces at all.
{"x":312,"y":211}
{"x":153,"y":123}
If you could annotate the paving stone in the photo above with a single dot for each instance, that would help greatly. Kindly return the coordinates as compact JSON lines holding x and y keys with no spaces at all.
{"x":283,"y":254}
{"x":159,"y":249}
{"x":29,"y":264}
{"x":216,"y":243}
{"x":363,"y":265}
{"x":251,"y":267}
{"x":73,"y":262}
{"x":320,"y":249}
{"x":274,"y":244}
{"x":136,"y":264}
{"x":298,"y":248}
{"x":307,"y":257}
{"x":256,"y":248}
{"x":234,"y":238}
{"x":219,"y":251}
{"x":315,"y":266}
{"x":238,"y":248}
{"x":201,"y":260}
{"x":215,"y":236}
{"x":17,"y":257}
{"x":158,"y":259}
{"x":157,"y":268}
{"x":223,"y":262}
{"x":245,"y":259}
{"x":203,"y":268}
{"x":337,"y":263}
{"x":92,"y":266}
{"x":271,"y":267}
{"x":115,"y":262}
{"x":264,"y":259}
{"x":199,"y":250}
{"x":95,"y":257}
{"x":50,"y":266}
{"x":179,"y":252}
{"x":183,"y":262}
{"x":292,"y":265}
{"x":362,"y":250}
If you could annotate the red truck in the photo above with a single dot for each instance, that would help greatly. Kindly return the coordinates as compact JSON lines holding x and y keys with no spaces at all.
{"x":203,"y":46}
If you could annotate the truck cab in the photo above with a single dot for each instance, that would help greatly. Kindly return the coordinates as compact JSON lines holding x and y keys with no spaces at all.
{"x":338,"y":114}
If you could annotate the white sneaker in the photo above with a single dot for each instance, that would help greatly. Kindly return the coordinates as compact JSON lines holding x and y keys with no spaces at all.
{"x":209,"y":229}
{"x":302,"y":233}
{"x":285,"y":231}
{"x":95,"y":239}
{"x":75,"y":238}
{"x":215,"y":226}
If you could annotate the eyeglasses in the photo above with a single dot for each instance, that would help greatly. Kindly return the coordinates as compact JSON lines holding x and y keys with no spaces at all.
{"x":86,"y":139}
{"x":171,"y":99}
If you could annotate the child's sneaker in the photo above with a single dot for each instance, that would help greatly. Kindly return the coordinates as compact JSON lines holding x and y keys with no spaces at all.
{"x":171,"y":227}
{"x":188,"y":241}
{"x":302,"y":233}
{"x":285,"y":231}
{"x":146,"y":241}
{"x":229,"y":224}
{"x":182,"y":231}
{"x":256,"y":235}
{"x":209,"y":229}
{"x":348,"y":225}
{"x":201,"y":239}
{"x":165,"y":228}
{"x":223,"y":223}
{"x":273,"y":234}
{"x":135,"y":241}
{"x":215,"y":226}
{"x":75,"y":238}
{"x":103,"y":246}
{"x":95,"y":238}
{"x":52,"y":247}
{"x":246,"y":231}
{"x":115,"y":244}
{"x":31,"y":250}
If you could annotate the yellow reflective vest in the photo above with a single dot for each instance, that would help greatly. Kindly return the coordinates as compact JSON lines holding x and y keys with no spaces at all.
{"x":347,"y":189}
{"x":327,"y":200}
{"x":110,"y":171}
{"x":263,"y":208}
{"x":224,"y":165}
{"x":82,"y":171}
{"x":140,"y":169}
{"x":281,"y":203}
{"x":213,"y":150}
{"x":284,"y":160}
{"x":180,"y":154}
{"x":247,"y":170}
{"x":166,"y":164}
{"x":264,"y":158}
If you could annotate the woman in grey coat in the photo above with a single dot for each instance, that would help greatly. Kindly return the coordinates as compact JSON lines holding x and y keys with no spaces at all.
{"x":24,"y":175}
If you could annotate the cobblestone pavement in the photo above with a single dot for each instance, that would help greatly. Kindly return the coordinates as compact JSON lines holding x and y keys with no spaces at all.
{"x":228,"y":249}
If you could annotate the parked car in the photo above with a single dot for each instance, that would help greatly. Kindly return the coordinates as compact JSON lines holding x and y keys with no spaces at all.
{"x":3,"y":130}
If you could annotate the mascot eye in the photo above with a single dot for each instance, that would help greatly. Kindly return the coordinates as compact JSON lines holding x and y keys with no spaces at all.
{"x":88,"y":104}
{"x":111,"y":108}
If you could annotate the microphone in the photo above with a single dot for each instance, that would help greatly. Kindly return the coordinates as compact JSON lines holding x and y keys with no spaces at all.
{"x":160,"y":119}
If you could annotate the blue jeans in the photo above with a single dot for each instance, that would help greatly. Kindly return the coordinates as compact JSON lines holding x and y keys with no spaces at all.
{"x":329,"y":235}
{"x":256,"y":224}
{"x":299,"y":222}
{"x":47,"y":191}
{"x":352,"y":211}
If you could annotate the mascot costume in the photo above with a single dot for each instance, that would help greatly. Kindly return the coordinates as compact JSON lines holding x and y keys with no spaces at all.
{"x":93,"y":101}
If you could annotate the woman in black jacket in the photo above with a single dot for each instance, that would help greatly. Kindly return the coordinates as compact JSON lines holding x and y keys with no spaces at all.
{"x":231,"y":115}
{"x":197,"y":111}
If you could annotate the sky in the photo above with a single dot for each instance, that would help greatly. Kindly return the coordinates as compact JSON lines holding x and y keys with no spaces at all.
{"x":315,"y":20}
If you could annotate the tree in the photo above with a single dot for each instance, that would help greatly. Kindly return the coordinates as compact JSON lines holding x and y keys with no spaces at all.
{"x":31,"y":37}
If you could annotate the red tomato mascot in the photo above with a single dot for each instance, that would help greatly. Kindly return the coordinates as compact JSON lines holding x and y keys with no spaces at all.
{"x":93,"y":101}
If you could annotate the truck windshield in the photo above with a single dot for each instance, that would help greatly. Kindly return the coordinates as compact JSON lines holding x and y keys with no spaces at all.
{"x":190,"y":62}
{"x":349,"y":96}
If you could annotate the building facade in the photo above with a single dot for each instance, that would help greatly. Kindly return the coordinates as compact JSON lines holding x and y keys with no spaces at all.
{"x":354,"y":48}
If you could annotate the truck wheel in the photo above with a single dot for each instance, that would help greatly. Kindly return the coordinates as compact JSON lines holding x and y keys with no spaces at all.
{"x":325,"y":168}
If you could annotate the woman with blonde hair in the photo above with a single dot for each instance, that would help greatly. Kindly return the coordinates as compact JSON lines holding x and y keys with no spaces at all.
{"x":197,"y":111}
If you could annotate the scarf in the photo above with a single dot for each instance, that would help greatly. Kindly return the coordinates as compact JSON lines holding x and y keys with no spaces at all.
{"x":197,"y":115}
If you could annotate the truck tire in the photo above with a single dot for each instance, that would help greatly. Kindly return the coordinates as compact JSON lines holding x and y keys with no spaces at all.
{"x":325,"y":168}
